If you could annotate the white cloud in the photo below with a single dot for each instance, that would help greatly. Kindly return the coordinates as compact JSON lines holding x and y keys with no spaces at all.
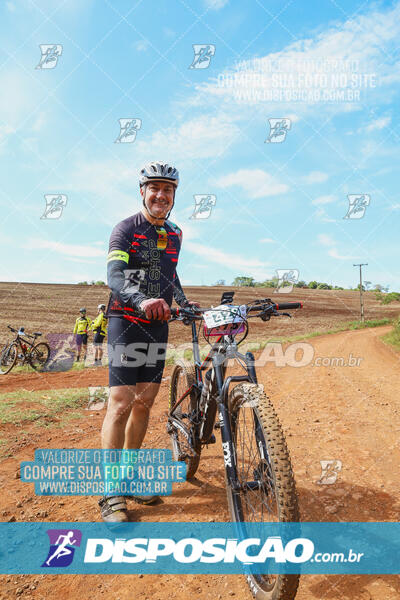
{"x":378,"y":124}
{"x":326,"y":240}
{"x":333,"y":252}
{"x":65,"y":249}
{"x":323,"y":200}
{"x":141,"y":45}
{"x":20,"y":95}
{"x":215,"y":4}
{"x":322,"y":216}
{"x":5,"y":130}
{"x":362,"y":41}
{"x":169,"y":33}
{"x":267,"y":241}
{"x":252,"y":267}
{"x":199,"y":137}
{"x":255,"y":182}
{"x":315,"y":177}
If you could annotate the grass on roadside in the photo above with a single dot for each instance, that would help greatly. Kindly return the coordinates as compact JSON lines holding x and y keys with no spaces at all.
{"x":51,"y":406}
{"x":393,"y":337}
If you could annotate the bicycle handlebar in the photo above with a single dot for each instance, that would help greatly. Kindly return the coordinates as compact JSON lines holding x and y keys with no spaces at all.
{"x":20,"y":331}
{"x":280,"y":306}
{"x":262,"y":305}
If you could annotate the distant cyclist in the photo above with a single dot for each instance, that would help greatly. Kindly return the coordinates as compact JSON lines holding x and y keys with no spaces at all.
{"x":141,"y":270}
{"x":99,"y":326}
{"x":81,"y":330}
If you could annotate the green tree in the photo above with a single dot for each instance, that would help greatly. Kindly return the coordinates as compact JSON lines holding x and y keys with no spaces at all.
{"x":313,"y":285}
{"x":82,"y":283}
{"x":243,"y":281}
{"x":100,"y":282}
{"x":270,"y":283}
{"x":324,"y":286}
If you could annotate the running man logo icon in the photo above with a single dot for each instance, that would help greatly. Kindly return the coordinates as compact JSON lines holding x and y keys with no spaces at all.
{"x":278,"y":129}
{"x":128,"y":130}
{"x":202,"y":55}
{"x":357,"y":205}
{"x":50,"y":55}
{"x":203,"y":205}
{"x":62,"y":352}
{"x":98,"y":397}
{"x":286,"y":280}
{"x":329,"y":471}
{"x":133,"y":279}
{"x":62,"y":547}
{"x":55,"y":204}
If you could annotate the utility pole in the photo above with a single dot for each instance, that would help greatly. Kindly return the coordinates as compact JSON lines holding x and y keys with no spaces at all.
{"x":361,"y":290}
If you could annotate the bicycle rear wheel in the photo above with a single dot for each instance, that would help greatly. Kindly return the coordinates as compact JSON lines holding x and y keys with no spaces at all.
{"x":267,"y":487}
{"x":185,"y":443}
{"x":39,"y":355}
{"x":8,"y":358}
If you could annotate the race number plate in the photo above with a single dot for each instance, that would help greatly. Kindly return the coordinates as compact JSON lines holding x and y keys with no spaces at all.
{"x":223,"y":314}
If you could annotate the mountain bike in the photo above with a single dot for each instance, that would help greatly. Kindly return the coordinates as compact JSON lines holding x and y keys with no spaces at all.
{"x":23,"y":350}
{"x":258,"y":473}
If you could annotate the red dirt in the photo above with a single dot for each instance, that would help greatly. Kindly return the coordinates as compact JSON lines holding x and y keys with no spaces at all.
{"x":345,"y":413}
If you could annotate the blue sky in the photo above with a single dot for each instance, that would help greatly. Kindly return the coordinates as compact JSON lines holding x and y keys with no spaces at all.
{"x":278,"y":205}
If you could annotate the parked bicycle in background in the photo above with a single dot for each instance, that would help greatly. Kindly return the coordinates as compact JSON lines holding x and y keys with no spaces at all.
{"x":23,"y":350}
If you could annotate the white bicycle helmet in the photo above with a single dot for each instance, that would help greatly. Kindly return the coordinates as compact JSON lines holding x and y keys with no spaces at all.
{"x":158,"y":171}
{"x":102,"y":306}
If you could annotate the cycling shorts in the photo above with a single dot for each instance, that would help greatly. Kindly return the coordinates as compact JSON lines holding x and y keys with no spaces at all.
{"x":81,"y":338}
{"x":98,"y":339}
{"x":136,"y":352}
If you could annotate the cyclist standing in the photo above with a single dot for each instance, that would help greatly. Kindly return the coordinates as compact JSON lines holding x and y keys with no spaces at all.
{"x":99,"y":327}
{"x":81,"y":330}
{"x":141,"y":271}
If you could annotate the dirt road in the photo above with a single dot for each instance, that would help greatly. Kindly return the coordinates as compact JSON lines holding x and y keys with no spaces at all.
{"x":348,"y":413}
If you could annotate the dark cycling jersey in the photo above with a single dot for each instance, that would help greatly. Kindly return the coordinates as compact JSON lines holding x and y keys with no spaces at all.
{"x":141,"y":265}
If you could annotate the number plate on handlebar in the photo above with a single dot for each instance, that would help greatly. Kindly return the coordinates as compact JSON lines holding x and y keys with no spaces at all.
{"x":225,"y":319}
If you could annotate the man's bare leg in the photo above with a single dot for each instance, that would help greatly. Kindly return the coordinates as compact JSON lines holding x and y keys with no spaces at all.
{"x":138,"y":420}
{"x":119,"y":408}
{"x":114,"y":508}
{"x":137,"y":423}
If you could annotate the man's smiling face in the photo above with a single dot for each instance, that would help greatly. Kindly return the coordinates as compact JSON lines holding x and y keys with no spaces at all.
{"x":158,"y":197}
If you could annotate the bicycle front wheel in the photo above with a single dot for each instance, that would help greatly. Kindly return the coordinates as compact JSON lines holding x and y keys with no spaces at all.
{"x":182,"y":423}
{"x":267,"y":490}
{"x":39,"y":355}
{"x":8,"y":358}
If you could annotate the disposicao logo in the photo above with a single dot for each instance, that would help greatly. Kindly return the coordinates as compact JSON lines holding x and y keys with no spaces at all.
{"x":62,"y":547}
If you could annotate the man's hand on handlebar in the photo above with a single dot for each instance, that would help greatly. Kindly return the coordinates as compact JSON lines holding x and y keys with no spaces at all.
{"x":156,"y":308}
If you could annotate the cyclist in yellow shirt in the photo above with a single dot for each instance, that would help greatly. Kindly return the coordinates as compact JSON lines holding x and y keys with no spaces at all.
{"x":81,"y":330}
{"x":99,"y":327}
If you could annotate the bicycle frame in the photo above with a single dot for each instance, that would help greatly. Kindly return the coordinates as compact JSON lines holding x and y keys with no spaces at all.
{"x":221,"y":351}
{"x":20,"y":341}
